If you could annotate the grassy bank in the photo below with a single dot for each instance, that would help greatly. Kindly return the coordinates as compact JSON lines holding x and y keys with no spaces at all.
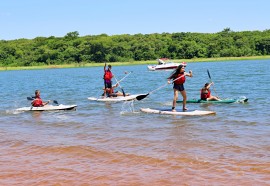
{"x":133,"y":63}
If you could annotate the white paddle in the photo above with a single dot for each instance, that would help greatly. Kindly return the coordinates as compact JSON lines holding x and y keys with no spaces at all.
{"x":123,"y":77}
{"x":140,"y":97}
{"x":117,"y":82}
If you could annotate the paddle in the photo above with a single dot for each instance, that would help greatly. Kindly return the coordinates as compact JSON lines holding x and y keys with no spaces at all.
{"x":117,"y":82}
{"x":140,"y":97}
{"x":211,"y":81}
{"x":32,"y":98}
{"x":124,"y":77}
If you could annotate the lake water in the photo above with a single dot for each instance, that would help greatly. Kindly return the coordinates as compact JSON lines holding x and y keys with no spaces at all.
{"x":116,"y":144}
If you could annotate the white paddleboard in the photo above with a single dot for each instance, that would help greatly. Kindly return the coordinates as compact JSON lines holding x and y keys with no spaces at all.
{"x":114,"y":99}
{"x":48,"y":108}
{"x":180,"y":113}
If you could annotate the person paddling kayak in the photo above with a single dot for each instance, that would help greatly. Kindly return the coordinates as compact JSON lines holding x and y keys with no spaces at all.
{"x":37,"y":102}
{"x":206,"y":93}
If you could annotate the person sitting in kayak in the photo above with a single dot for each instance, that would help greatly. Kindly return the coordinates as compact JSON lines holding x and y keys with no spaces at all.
{"x":37,"y":102}
{"x":114,"y":94}
{"x":108,"y":79}
{"x":206,"y":93}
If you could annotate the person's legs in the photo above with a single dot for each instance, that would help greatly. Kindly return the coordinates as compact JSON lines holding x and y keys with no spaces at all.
{"x":184,"y":94}
{"x":175,"y":97}
{"x":213,"y":98}
{"x":110,"y":87}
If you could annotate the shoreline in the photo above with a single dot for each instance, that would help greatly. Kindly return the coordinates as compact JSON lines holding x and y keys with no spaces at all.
{"x":76,"y":65}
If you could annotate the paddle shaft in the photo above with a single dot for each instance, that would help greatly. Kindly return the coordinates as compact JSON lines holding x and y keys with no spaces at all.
{"x":124,"y":77}
{"x":140,"y":97}
{"x":211,"y":82}
{"x":31,"y":99}
{"x":165,"y":84}
{"x":117,"y":82}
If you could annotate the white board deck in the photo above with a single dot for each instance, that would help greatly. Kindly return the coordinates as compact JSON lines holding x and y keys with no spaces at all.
{"x":48,"y":108}
{"x":114,"y":99}
{"x":180,"y":113}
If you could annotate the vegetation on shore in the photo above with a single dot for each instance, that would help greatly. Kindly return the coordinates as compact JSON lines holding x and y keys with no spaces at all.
{"x":75,"y":65}
{"x":93,"y":50}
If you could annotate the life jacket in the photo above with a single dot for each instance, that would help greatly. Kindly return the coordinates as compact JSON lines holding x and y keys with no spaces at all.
{"x":181,"y":80}
{"x":107,"y":75}
{"x":205,"y":93}
{"x":37,"y":102}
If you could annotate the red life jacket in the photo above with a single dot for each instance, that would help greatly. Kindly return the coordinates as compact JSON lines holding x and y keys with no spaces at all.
{"x":107,"y":75}
{"x":205,"y":93}
{"x":181,"y":80}
{"x":37,"y":102}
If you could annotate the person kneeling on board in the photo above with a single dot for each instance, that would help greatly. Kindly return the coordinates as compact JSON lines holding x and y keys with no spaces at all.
{"x":110,"y":92}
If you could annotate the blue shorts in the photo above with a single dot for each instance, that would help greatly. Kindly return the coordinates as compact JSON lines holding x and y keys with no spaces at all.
{"x":179,"y":87}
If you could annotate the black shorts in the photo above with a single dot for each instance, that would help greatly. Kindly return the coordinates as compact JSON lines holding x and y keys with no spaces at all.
{"x":108,"y":84}
{"x":179,"y":87}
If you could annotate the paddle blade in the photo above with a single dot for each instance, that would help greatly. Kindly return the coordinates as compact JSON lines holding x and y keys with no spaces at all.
{"x":140,"y":97}
{"x":124,"y":94}
{"x":30,"y":98}
{"x":55,"y":102}
{"x":208,"y":74}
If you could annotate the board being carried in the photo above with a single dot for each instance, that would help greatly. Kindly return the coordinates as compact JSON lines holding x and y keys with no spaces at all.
{"x":48,"y":108}
{"x":178,"y":112}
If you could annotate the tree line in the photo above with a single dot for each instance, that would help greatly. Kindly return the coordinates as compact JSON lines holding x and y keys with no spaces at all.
{"x":138,"y":47}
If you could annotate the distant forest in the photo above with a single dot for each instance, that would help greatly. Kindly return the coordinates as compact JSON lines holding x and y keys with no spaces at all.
{"x":126,"y":48}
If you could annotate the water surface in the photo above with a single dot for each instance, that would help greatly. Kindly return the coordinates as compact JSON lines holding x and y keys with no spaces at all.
{"x":116,"y":144}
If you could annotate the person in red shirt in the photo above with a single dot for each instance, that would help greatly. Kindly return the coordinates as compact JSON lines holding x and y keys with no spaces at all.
{"x":37,"y":102}
{"x":108,"y":79}
{"x":179,"y":78}
{"x":206,"y":93}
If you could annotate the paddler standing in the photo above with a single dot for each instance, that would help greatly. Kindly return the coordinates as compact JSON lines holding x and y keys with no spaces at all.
{"x":108,"y":80}
{"x":179,"y":79}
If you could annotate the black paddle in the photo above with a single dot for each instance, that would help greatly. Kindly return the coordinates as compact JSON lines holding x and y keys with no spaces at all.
{"x":32,"y":98}
{"x":211,"y":81}
{"x":142,"y":96}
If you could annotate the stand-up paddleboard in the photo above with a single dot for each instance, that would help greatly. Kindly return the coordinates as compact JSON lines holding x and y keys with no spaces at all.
{"x":243,"y":100}
{"x":48,"y":108}
{"x":115,"y":99}
{"x":178,"y":112}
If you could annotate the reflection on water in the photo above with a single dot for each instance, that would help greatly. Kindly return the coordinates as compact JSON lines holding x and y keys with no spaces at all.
{"x":114,"y":143}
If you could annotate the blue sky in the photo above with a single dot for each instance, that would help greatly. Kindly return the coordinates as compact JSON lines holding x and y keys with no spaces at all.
{"x":34,"y":18}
